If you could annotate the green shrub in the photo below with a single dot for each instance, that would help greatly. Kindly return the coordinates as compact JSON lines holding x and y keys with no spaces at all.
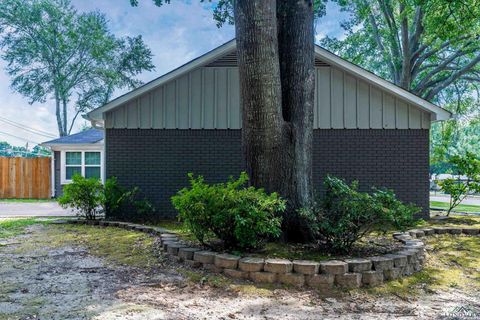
{"x":346,"y":215}
{"x":117,"y":197}
{"x":85,"y":196}
{"x":467,"y":165}
{"x":241,"y":216}
{"x":88,"y":197}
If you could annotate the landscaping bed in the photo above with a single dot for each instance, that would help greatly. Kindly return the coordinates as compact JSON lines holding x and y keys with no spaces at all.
{"x":346,"y":273}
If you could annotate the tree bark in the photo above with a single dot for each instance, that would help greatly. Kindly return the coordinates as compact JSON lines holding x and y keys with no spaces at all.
{"x":58,"y":115}
{"x":297,"y":73}
{"x":276,"y":66}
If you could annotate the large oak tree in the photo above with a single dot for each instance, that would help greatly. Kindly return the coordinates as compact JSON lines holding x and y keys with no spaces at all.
{"x":275,"y":49}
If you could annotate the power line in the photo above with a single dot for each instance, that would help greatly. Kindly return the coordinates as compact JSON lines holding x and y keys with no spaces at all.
{"x":14,"y":136}
{"x":26,"y":128}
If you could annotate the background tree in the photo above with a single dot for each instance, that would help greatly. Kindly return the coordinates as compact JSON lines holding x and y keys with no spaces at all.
{"x":429,"y":47}
{"x":275,"y":49}
{"x":466,"y":168}
{"x":52,"y":51}
{"x":423,"y":46}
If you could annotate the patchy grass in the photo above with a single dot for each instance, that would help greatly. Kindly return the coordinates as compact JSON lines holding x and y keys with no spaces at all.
{"x":468,"y":208}
{"x":452,"y":221}
{"x":452,"y":262}
{"x":28,"y":200}
{"x":114,"y":244}
{"x":13,"y":227}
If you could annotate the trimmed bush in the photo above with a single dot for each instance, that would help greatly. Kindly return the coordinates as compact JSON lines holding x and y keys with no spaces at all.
{"x":346,"y":215}
{"x":242,"y":217}
{"x":85,"y":196}
{"x":88,"y":197}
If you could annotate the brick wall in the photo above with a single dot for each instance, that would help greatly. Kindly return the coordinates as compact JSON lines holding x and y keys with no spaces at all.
{"x":157,"y":161}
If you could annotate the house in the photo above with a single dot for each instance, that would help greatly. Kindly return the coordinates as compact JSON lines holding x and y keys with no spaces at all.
{"x":189,"y":120}
{"x":80,"y":153}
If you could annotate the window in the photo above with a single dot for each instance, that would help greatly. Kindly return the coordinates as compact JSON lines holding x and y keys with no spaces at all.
{"x":73,"y":164}
{"x":92,"y":165}
{"x":86,"y":163}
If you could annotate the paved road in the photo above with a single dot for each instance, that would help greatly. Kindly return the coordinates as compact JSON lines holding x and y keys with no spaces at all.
{"x":32,"y":209}
{"x":443,"y":198}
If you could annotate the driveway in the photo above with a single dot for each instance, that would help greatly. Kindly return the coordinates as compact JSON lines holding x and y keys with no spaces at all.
{"x":33,"y":209}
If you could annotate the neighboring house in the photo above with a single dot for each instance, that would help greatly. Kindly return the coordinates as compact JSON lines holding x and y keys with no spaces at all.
{"x":80,"y":153}
{"x":189,"y":120}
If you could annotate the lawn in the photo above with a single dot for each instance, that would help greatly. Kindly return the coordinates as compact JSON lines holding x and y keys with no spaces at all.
{"x":468,"y":208}
{"x":13,"y":227}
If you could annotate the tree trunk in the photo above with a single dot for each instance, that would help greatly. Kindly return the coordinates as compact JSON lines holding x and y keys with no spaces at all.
{"x":64,"y":102}
{"x":276,"y":66}
{"x":58,"y":115}
{"x":297,"y":72}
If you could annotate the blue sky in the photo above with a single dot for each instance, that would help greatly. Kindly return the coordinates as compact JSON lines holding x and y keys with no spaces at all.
{"x":176,"y":34}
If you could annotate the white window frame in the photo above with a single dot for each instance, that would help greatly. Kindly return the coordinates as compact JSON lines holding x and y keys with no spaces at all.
{"x":63,"y":164}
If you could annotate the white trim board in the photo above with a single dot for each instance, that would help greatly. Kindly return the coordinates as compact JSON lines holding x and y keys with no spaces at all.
{"x":63,"y":179}
{"x":97,"y":116}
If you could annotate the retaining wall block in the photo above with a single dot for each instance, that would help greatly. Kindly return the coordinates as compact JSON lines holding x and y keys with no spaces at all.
{"x":323,"y":280}
{"x":408,"y":269}
{"x":212,"y":268}
{"x":173,"y":248}
{"x":416,"y":233}
{"x":278,"y":265}
{"x":187,"y":253}
{"x":359,"y":265}
{"x":439,"y":230}
{"x":165,"y":244}
{"x":373,"y":278}
{"x":292,"y":279}
{"x":192,"y":263}
{"x":237,"y":274}
{"x":471,"y":231}
{"x":305,"y":266}
{"x":381,"y":263}
{"x":225,"y":260}
{"x":393,"y":274}
{"x":251,"y":264}
{"x":410,"y":254}
{"x":263,"y":277}
{"x":454,"y":230}
{"x":204,"y":256}
{"x":399,"y":260}
{"x":348,"y":280}
{"x":428,"y":231}
{"x":334,"y":267}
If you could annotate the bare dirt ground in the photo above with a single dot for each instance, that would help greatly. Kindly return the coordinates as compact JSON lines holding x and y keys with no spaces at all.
{"x":43,"y":277}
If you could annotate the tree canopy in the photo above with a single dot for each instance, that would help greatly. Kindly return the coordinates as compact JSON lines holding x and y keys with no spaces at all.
{"x":54,"y":52}
{"x":425,"y":46}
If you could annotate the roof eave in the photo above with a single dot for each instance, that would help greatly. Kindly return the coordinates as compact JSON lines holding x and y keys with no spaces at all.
{"x":97,"y":114}
{"x":437,"y":112}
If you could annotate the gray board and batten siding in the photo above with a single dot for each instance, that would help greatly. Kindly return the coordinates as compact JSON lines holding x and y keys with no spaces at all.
{"x":208,"y":97}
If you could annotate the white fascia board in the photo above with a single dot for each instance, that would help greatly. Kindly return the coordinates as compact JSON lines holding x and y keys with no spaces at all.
{"x":97,"y":114}
{"x":67,"y":147}
{"x":437,"y":112}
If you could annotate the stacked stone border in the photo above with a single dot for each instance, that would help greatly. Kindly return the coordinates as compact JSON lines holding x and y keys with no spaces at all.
{"x":347,"y":273}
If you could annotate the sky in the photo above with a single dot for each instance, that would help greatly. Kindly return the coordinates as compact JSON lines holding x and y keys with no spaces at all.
{"x":175,"y":33}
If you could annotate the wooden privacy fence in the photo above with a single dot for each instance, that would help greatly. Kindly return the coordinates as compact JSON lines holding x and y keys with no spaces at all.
{"x":25,"y":178}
